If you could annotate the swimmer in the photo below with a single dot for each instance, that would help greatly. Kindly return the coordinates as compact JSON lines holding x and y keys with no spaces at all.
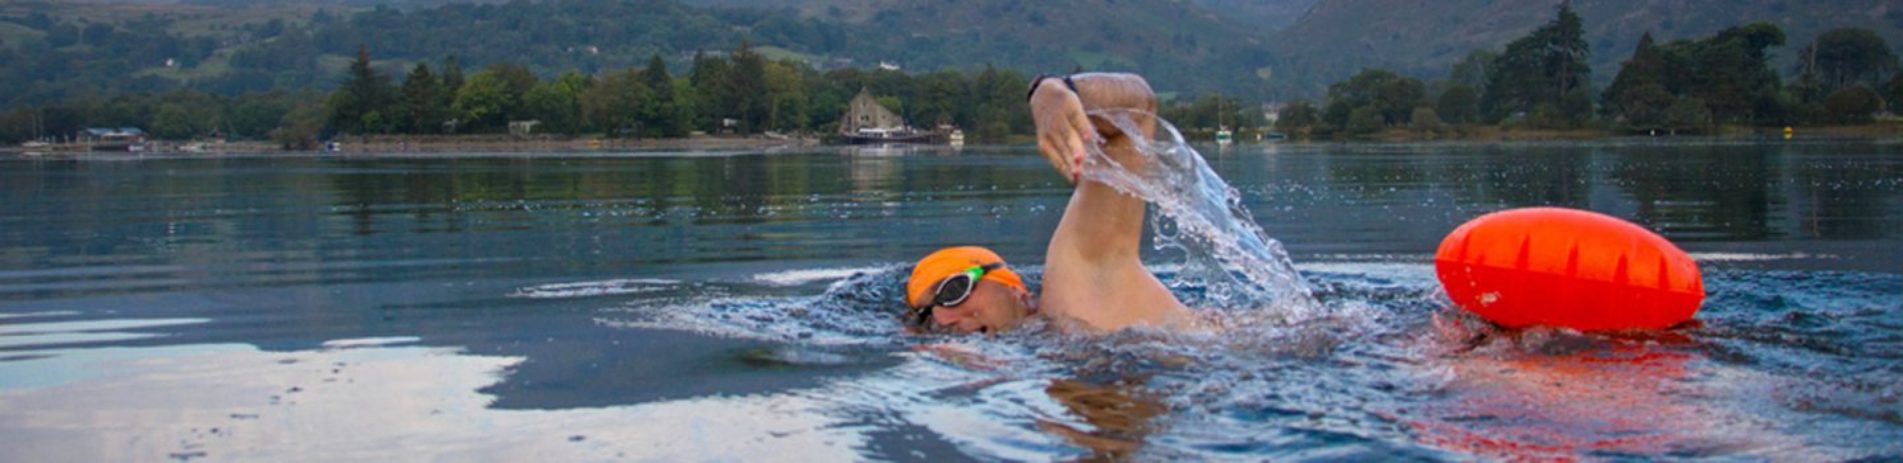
{"x":1092,"y":276}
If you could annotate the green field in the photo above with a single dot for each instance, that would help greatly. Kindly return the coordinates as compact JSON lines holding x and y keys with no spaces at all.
{"x":777,"y":54}
{"x":224,"y":21}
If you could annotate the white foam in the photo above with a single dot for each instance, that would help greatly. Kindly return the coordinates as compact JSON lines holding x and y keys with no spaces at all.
{"x":234,"y":402}
{"x":57,"y":313}
{"x":804,"y":276}
{"x":95,"y":325}
{"x":1752,"y":257}
{"x":1371,"y":258}
{"x":1389,"y":269}
{"x":595,"y":288}
{"x":369,"y":342}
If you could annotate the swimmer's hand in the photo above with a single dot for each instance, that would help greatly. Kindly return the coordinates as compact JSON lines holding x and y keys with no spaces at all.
{"x":1062,"y":127}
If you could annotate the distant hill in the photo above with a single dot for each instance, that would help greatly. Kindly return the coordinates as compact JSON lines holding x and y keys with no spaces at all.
{"x":1259,"y":16}
{"x":1179,"y":46}
{"x":1425,"y":38}
{"x":1197,"y":46}
{"x":1253,"y":49}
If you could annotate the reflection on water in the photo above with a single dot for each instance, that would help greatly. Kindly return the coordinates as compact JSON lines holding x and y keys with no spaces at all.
{"x":1596,"y":397}
{"x":685,"y":306}
{"x":235,"y":403}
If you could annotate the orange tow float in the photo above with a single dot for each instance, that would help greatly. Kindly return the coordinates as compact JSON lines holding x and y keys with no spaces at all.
{"x":1568,"y":268}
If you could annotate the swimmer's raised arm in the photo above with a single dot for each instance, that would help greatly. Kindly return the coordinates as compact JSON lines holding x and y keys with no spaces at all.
{"x":1092,"y":271}
{"x":1063,"y":129}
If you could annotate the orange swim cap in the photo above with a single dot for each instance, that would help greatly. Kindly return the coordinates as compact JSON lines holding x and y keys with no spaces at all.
{"x":949,"y":261}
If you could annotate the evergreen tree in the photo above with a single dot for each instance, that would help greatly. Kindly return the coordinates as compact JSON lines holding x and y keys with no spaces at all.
{"x":1642,"y":74}
{"x":452,"y":74}
{"x":361,"y":104}
{"x":656,"y":73}
{"x":421,"y":106}
{"x":746,"y":90}
{"x":1728,"y":73}
{"x":708,"y":77}
{"x":1540,"y":68}
{"x":670,"y":117}
{"x":1732,"y":74}
{"x":452,"y":86}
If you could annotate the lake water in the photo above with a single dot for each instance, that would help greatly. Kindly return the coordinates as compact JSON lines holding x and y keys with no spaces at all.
{"x":742,"y":306}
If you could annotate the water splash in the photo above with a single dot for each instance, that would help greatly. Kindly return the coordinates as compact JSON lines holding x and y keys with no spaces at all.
{"x":856,"y":310}
{"x":1238,"y":265}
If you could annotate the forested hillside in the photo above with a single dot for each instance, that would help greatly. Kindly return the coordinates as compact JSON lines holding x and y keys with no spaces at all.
{"x":1340,"y":37}
{"x":57,"y":51}
{"x":1258,"y":16}
{"x":1262,"y":16}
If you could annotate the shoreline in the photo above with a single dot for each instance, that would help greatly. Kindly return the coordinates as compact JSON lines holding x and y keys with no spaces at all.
{"x":1494,"y":133}
{"x":400,"y":144}
{"x":496,"y":143}
{"x":378,"y":144}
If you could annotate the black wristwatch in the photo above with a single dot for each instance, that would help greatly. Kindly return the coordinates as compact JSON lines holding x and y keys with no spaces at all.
{"x":1039,"y":80}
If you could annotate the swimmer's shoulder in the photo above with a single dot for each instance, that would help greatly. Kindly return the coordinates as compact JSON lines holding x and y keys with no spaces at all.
{"x":1173,"y":318}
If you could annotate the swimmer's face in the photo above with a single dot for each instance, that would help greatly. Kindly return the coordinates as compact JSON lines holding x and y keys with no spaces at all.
{"x":991,"y":308}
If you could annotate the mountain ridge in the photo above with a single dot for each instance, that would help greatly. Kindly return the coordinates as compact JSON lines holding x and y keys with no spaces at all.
{"x":1235,"y":47}
{"x":1340,"y":37}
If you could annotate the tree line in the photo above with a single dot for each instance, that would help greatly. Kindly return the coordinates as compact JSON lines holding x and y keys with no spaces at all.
{"x":740,"y":92}
{"x":59,"y":54}
{"x":1542,"y":80}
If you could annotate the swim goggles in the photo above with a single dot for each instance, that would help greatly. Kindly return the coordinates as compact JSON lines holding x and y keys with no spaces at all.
{"x":951,"y":291}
